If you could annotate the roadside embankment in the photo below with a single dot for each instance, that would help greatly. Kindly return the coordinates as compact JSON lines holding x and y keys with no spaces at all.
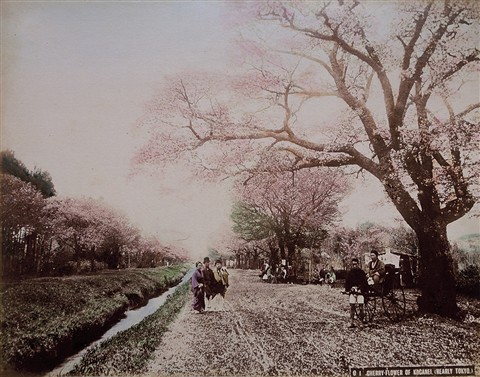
{"x":130,"y":351}
{"x":45,"y":320}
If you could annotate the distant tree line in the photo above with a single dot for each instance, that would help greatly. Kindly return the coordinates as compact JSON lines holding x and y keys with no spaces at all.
{"x":331,"y":245}
{"x":337,"y":245}
{"x":43,"y":234}
{"x":41,"y":180}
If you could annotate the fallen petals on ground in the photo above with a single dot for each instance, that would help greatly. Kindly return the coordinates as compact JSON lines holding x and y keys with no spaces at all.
{"x":279,"y":329}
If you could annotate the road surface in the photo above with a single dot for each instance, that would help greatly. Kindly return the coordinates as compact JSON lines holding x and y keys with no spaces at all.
{"x":280,"y":329}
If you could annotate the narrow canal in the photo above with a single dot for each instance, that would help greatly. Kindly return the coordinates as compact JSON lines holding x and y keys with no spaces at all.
{"x":132,"y":317}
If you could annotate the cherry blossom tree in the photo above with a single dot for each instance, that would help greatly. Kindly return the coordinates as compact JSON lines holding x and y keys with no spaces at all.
{"x":175,"y":253}
{"x":372,"y":236}
{"x":92,"y":229}
{"x":147,"y":253}
{"x":347,"y":243}
{"x":118,"y":237}
{"x":76,"y":226}
{"x":250,"y":224}
{"x":43,"y":236}
{"x":238,"y":244}
{"x":150,"y":252}
{"x":400,"y":76}
{"x":252,"y":254}
{"x":292,"y":206}
{"x":22,"y":213}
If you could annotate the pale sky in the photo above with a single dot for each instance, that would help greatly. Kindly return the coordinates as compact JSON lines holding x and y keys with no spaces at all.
{"x":76,"y":77}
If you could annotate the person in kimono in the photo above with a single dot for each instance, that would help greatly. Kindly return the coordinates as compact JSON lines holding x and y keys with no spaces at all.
{"x":208,"y":279}
{"x":219,"y":285}
{"x":376,"y":271}
{"x":198,"y":289}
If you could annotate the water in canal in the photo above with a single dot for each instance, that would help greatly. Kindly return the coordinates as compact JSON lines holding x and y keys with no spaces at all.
{"x":132,"y":317}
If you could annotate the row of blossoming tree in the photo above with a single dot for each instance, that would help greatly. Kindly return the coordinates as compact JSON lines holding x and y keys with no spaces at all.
{"x":51,"y":235}
{"x":402,"y":79}
{"x":328,"y":245}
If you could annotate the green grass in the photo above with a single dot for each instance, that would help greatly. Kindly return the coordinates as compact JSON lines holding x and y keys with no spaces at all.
{"x":43,"y":320}
{"x":129,"y":351}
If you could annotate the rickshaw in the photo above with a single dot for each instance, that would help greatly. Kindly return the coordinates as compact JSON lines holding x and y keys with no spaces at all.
{"x":390,"y":293}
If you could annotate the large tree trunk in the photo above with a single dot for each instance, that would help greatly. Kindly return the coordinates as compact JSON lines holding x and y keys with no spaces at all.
{"x":255,"y":261}
{"x":281,"y":246}
{"x":239,"y":260}
{"x":246,"y":261}
{"x":274,"y":258}
{"x":29,"y":260}
{"x":6,"y":249}
{"x":436,"y":273}
{"x":92,"y":259}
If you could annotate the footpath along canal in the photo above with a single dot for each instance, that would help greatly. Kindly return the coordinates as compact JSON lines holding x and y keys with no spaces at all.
{"x":132,"y":317}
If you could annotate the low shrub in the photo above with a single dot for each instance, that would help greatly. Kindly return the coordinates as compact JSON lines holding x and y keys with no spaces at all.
{"x":44,"y":320}
{"x":468,"y":281}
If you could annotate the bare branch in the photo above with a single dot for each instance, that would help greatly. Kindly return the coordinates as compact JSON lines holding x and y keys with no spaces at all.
{"x":360,"y":108}
{"x":308,"y":57}
{"x":473,"y":57}
{"x":313,"y":94}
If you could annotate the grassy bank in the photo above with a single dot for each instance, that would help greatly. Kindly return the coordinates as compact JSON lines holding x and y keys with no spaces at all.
{"x":129,"y":351}
{"x":44,"y":320}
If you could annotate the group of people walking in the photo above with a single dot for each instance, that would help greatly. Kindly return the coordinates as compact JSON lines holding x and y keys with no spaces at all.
{"x":208,"y":283}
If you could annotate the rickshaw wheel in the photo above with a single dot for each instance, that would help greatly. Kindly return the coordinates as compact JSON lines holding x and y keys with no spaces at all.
{"x":393,"y":299}
{"x":369,"y":308}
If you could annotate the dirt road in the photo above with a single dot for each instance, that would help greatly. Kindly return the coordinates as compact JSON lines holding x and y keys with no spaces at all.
{"x":279,"y":329}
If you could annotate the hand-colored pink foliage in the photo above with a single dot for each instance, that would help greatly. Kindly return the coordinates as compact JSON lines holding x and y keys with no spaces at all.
{"x":308,"y":198}
{"x":87,"y":222}
{"x":390,"y":99}
{"x":22,"y":205}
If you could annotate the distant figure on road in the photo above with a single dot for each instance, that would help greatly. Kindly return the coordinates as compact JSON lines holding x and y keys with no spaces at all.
{"x":198,"y":289}
{"x":376,"y":269}
{"x":266,"y":274}
{"x":290,"y":278}
{"x":356,"y":284}
{"x":208,"y":279}
{"x":264,"y":271}
{"x":282,"y":274}
{"x":322,"y":274}
{"x":220,"y":283}
{"x":331,"y":278}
